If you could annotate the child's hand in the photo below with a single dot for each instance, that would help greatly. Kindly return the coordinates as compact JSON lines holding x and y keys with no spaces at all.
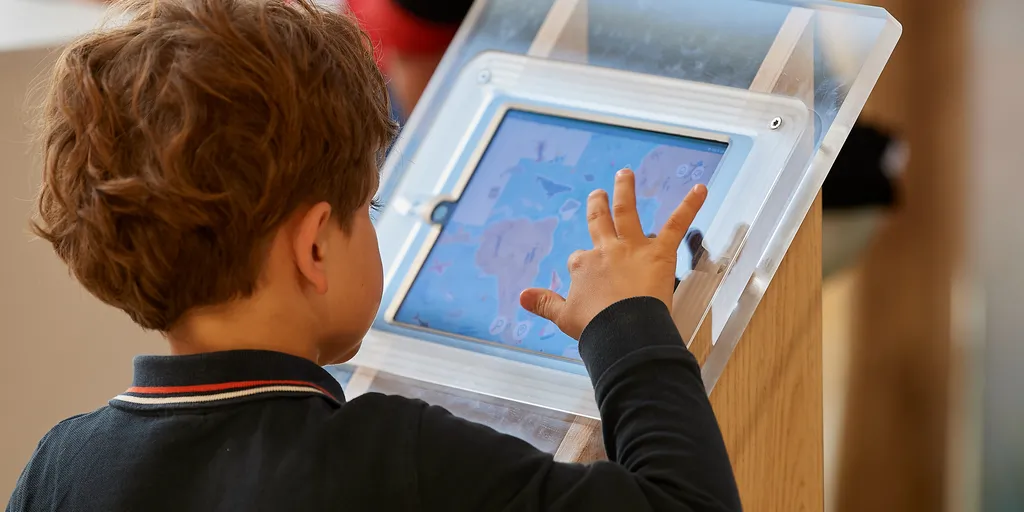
{"x":624,"y":262}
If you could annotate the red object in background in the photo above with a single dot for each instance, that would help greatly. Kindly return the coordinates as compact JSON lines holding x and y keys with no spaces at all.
{"x":393,"y":29}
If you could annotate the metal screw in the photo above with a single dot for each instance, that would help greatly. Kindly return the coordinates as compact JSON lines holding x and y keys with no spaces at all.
{"x":484,"y":77}
{"x":775,"y":124}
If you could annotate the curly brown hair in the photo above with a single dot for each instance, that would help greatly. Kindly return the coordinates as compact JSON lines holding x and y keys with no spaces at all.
{"x":177,"y":140}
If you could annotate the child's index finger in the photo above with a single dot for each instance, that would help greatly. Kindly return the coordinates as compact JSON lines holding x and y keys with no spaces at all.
{"x":679,"y":222}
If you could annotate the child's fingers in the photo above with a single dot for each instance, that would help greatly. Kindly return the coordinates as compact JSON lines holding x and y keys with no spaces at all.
{"x":599,"y":218}
{"x":543,"y":303}
{"x":627,"y":221}
{"x":678,"y":223}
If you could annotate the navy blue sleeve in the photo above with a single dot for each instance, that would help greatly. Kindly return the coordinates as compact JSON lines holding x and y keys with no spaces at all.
{"x":24,"y":491}
{"x":30,"y":493}
{"x":665,"y":448}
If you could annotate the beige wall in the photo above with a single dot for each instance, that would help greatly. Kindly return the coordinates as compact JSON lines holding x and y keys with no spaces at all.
{"x":62,"y":352}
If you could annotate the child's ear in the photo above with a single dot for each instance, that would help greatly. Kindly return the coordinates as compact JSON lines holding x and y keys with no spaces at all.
{"x":310,"y":245}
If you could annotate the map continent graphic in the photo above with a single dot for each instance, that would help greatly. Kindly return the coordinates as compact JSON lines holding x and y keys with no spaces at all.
{"x":524,"y":212}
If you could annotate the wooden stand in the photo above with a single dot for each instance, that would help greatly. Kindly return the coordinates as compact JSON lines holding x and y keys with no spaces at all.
{"x":769,"y":401}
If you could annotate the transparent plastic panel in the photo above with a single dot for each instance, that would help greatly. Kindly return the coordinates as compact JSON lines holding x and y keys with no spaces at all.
{"x":538,"y":102}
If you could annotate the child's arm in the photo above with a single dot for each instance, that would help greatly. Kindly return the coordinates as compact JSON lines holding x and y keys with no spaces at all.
{"x":665,"y":449}
{"x":661,"y":437}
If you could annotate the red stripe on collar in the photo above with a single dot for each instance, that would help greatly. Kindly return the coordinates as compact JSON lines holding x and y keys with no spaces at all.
{"x":225,"y":386}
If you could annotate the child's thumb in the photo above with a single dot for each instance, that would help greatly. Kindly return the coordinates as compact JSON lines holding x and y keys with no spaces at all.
{"x":543,"y":303}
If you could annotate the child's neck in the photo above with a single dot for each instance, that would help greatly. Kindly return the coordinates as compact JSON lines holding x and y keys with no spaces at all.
{"x":240,"y":326}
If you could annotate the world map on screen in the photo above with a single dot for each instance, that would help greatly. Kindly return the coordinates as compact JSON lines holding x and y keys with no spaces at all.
{"x":523,"y":213}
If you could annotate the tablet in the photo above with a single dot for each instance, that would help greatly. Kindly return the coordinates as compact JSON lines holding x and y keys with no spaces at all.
{"x":521,"y":214}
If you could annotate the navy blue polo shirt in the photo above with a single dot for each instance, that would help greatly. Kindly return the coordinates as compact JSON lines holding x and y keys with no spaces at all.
{"x":252,"y":430}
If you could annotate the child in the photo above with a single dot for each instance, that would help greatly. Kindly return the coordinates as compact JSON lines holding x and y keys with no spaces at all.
{"x":209,"y":170}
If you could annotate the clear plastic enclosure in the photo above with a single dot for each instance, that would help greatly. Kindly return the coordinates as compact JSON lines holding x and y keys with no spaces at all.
{"x":752,"y":97}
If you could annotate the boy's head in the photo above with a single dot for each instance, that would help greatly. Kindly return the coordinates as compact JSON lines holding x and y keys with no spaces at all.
{"x":209,"y":169}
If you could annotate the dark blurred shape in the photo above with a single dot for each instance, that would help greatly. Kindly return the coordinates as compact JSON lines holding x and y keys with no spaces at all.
{"x":863,"y":173}
{"x":436,"y":11}
{"x":857,"y":195}
{"x":694,"y":241}
{"x":416,"y":27}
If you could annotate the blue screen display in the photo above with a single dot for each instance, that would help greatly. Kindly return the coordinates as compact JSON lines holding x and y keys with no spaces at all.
{"x":523,"y":213}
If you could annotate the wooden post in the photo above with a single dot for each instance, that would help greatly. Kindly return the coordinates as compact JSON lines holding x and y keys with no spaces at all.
{"x":768,"y":400}
{"x":895,"y":437}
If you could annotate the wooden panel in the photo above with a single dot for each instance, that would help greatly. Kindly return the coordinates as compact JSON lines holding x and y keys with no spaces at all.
{"x":768,"y":400}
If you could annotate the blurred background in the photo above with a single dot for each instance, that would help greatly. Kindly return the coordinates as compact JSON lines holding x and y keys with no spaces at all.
{"x":923,"y":295}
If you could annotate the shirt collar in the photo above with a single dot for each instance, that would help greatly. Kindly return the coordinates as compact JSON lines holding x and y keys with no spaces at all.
{"x":218,"y":378}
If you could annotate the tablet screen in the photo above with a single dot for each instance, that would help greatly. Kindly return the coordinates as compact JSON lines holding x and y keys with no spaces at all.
{"x":523,"y":212}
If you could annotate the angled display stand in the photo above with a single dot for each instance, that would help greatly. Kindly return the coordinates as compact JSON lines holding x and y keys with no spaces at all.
{"x":538,"y":102}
